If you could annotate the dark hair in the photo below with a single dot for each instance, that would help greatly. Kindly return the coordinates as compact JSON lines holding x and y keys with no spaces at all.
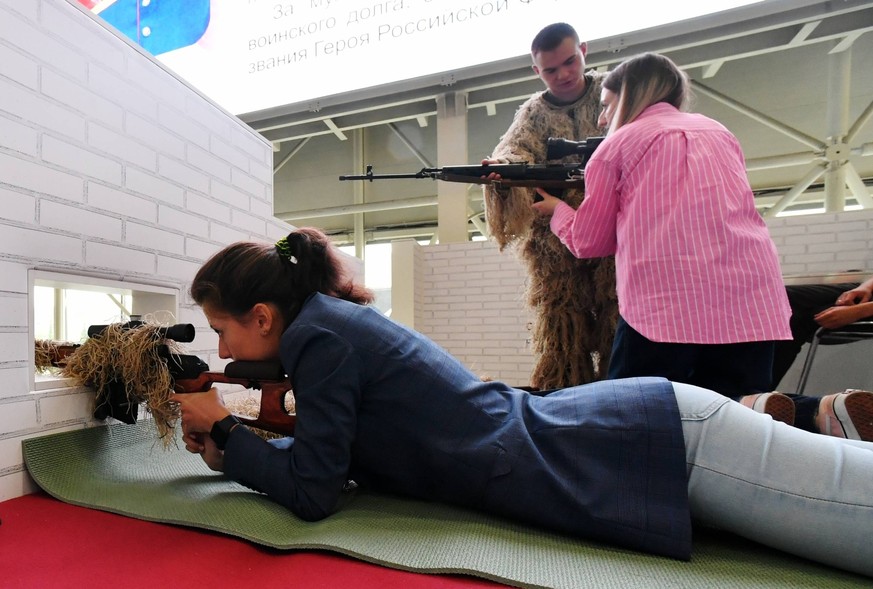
{"x":642,"y":81}
{"x":551,"y":36}
{"x":246,"y":273}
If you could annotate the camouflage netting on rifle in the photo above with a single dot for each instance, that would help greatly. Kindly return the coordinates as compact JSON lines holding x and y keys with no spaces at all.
{"x":46,"y":352}
{"x":129,"y":356}
{"x":250,"y":406}
{"x":573,"y":301}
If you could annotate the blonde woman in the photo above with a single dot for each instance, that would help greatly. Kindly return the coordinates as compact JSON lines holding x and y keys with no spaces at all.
{"x":700,"y":291}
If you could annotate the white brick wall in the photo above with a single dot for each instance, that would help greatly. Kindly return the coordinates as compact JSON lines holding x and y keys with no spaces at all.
{"x":110,"y":167}
{"x":824,"y":244}
{"x":469,"y":299}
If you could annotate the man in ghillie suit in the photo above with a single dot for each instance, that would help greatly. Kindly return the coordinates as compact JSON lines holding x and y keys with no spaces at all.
{"x":574,"y":300}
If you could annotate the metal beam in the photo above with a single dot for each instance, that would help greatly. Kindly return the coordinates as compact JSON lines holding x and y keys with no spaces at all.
{"x":859,"y":124}
{"x":370,"y":207}
{"x":759,"y":116}
{"x":335,"y":130}
{"x":410,"y":146}
{"x":291,"y":154}
{"x":858,"y":189}
{"x":782,"y":161}
{"x":795,"y":191}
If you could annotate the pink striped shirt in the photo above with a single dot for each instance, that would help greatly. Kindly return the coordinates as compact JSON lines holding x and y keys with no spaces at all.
{"x":668,"y":195}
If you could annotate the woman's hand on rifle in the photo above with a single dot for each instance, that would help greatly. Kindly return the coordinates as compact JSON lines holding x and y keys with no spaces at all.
{"x":199,"y":413}
{"x":546,"y":203}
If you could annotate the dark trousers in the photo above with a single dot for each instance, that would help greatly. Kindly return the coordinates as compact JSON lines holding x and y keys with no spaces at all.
{"x":806,"y":300}
{"x":733,"y":370}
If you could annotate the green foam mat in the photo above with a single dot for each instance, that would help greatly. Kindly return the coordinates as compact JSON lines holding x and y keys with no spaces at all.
{"x":124,"y":469}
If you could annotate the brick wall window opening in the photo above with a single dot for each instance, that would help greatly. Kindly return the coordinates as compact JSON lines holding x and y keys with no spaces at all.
{"x":63,"y":307}
{"x":64,"y":314}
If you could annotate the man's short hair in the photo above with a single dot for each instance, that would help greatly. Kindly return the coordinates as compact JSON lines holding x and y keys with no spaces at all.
{"x":551,"y":36}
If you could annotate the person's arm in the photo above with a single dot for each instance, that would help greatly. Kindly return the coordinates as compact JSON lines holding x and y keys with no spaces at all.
{"x":200,"y":411}
{"x":841,"y":315}
{"x":307,"y":478}
{"x":855,"y":304}
{"x":863,"y":293}
{"x":590,"y":230}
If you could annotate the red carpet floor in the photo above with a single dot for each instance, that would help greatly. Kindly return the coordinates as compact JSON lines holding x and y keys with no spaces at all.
{"x":47,"y":543}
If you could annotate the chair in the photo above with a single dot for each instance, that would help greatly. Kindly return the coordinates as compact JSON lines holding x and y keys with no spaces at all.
{"x":860,"y":330}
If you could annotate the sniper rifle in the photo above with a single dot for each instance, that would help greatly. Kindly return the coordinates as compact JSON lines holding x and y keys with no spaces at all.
{"x":560,"y":176}
{"x":190,"y":374}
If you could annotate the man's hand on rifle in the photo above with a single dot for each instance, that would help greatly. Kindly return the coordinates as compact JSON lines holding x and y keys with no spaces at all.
{"x":493,"y":176}
{"x":547,"y":205}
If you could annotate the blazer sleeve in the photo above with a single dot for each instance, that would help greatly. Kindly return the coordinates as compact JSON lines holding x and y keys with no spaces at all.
{"x":308,"y":476}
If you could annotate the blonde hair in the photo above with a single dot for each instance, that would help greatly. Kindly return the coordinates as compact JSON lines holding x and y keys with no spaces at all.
{"x":642,"y":81}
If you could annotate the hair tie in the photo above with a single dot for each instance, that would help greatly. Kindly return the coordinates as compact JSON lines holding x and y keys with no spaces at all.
{"x":284,"y":249}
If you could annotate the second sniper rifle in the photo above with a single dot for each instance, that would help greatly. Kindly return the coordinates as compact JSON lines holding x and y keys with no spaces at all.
{"x":562,"y":176}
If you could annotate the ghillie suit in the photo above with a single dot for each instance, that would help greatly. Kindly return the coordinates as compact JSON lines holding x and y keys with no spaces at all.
{"x":574,"y":301}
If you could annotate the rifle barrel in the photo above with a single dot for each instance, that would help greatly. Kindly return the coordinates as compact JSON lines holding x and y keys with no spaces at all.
{"x":519,"y":174}
{"x":423,"y":173}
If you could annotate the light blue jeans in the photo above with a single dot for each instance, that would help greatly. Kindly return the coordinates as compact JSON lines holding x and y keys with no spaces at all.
{"x":804,"y":493}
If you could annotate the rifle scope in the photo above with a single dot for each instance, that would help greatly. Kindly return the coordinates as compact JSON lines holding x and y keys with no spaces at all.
{"x":560,"y":148}
{"x":181,"y":332}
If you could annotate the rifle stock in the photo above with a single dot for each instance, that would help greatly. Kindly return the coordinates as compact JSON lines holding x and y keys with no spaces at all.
{"x":52,"y":354}
{"x":268,"y":377}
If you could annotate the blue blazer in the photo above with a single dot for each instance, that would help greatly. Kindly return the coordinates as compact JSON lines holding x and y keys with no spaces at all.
{"x":388,"y":408}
